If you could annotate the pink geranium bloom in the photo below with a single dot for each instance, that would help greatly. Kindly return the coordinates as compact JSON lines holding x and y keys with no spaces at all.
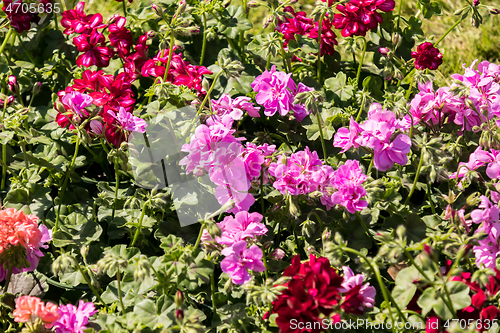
{"x":346,"y":138}
{"x":73,"y":319}
{"x":234,"y":107}
{"x":240,"y":227}
{"x":395,"y":152}
{"x":489,"y":213}
{"x":350,"y":196}
{"x":239,"y":260}
{"x":77,"y":102}
{"x":366,"y":292}
{"x":128,"y":121}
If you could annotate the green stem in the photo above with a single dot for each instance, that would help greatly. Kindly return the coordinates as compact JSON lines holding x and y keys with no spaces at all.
{"x":212,"y":285}
{"x":204,"y":38}
{"x":119,"y":289}
{"x":170,"y":52}
{"x":55,"y":20}
{"x":199,"y":235}
{"x":321,"y":134}
{"x":408,"y":92}
{"x":124,"y":8}
{"x":23,"y":149}
{"x":430,"y":197}
{"x":399,"y":15}
{"x":262,"y":190}
{"x":11,"y":30}
{"x":370,"y":166}
{"x":65,"y":183}
{"x":138,"y":230}
{"x":387,"y":296}
{"x":7,"y":281}
{"x":414,"y":186}
{"x":87,"y":281}
{"x":319,"y":46}
{"x":268,"y":63}
{"x":449,"y":30}
{"x":361,"y":61}
{"x":281,"y":219}
{"x":363,"y":224}
{"x":361,"y":107}
{"x":24,"y":49}
{"x":209,"y":92}
{"x":117,"y":186}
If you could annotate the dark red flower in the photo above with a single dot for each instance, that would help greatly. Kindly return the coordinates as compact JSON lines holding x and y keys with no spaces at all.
{"x":328,"y":37}
{"x":75,"y":20}
{"x":490,"y":312}
{"x":95,"y":53}
{"x":19,"y":19}
{"x":427,"y":56}
{"x":358,"y":16}
{"x":120,"y":37}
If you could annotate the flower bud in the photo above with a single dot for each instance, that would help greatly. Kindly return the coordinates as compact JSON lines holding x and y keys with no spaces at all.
{"x":475,"y":2}
{"x":142,"y":269}
{"x":277,"y":254}
{"x":179,"y":314}
{"x":159,"y":11}
{"x":13,"y":85}
{"x":384,"y":51}
{"x":253,"y":4}
{"x":494,"y":11}
{"x":62,"y":264}
{"x":396,"y":40}
{"x":400,"y":231}
{"x":182,"y":7}
{"x":37,"y":88}
{"x":327,"y":236}
{"x":9,"y":101}
{"x":84,"y":251}
{"x":179,"y":299}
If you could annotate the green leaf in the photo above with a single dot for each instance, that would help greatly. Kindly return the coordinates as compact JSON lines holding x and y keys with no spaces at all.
{"x":233,"y":22}
{"x":337,"y":85}
{"x":155,"y":315}
{"x":76,"y":229}
{"x":427,"y":300}
{"x":403,"y":294}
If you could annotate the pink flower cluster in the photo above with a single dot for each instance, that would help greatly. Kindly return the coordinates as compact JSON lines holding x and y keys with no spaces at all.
{"x":358,"y":16}
{"x":276,"y":91}
{"x":113,"y":95}
{"x":179,"y":73}
{"x":19,"y":229}
{"x":300,"y":24}
{"x":304,"y":173}
{"x":236,"y":108}
{"x":482,"y":102}
{"x":488,"y":216}
{"x":74,"y":319}
{"x":478,"y":159}
{"x":235,"y":232}
{"x":230,"y":165}
{"x":376,"y":133}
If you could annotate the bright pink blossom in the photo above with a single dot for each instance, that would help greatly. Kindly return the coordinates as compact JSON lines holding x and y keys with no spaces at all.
{"x":239,"y":260}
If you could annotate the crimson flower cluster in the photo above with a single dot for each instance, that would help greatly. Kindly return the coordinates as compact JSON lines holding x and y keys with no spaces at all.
{"x":427,"y":56}
{"x":358,"y":16}
{"x":300,"y":24}
{"x":478,"y":311}
{"x":316,"y":291}
{"x":106,"y":91}
{"x":19,"y":19}
{"x":180,"y":72}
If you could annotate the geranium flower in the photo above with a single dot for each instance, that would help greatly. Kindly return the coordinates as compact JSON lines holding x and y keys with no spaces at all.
{"x":427,"y":56}
{"x":29,"y":308}
{"x":120,"y":37}
{"x":77,"y":102}
{"x":358,"y":16}
{"x":76,"y":21}
{"x":93,"y":53}
{"x":128,"y":122}
{"x":73,"y":319}
{"x":240,"y":227}
{"x":239,"y":260}
{"x":19,"y":19}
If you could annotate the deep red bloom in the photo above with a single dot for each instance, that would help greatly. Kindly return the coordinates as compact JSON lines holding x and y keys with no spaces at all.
{"x":427,"y":56}
{"x":136,"y":60}
{"x":92,"y":81}
{"x":490,"y":312}
{"x":93,"y":53}
{"x":313,"y":291}
{"x":75,"y":20}
{"x":19,"y":19}
{"x":120,"y":37}
{"x":301,"y":25}
{"x":359,"y":16}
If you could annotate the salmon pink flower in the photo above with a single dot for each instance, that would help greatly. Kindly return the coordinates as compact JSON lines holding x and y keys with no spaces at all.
{"x":26,"y":309}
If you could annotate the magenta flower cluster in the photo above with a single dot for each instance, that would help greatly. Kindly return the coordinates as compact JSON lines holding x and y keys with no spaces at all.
{"x":276,"y":91}
{"x":73,"y":319}
{"x":480,"y":103}
{"x":235,"y":233}
{"x":377,"y":134}
{"x":236,"y":108}
{"x":230,"y":165}
{"x":304,"y":173}
{"x":478,"y":159}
